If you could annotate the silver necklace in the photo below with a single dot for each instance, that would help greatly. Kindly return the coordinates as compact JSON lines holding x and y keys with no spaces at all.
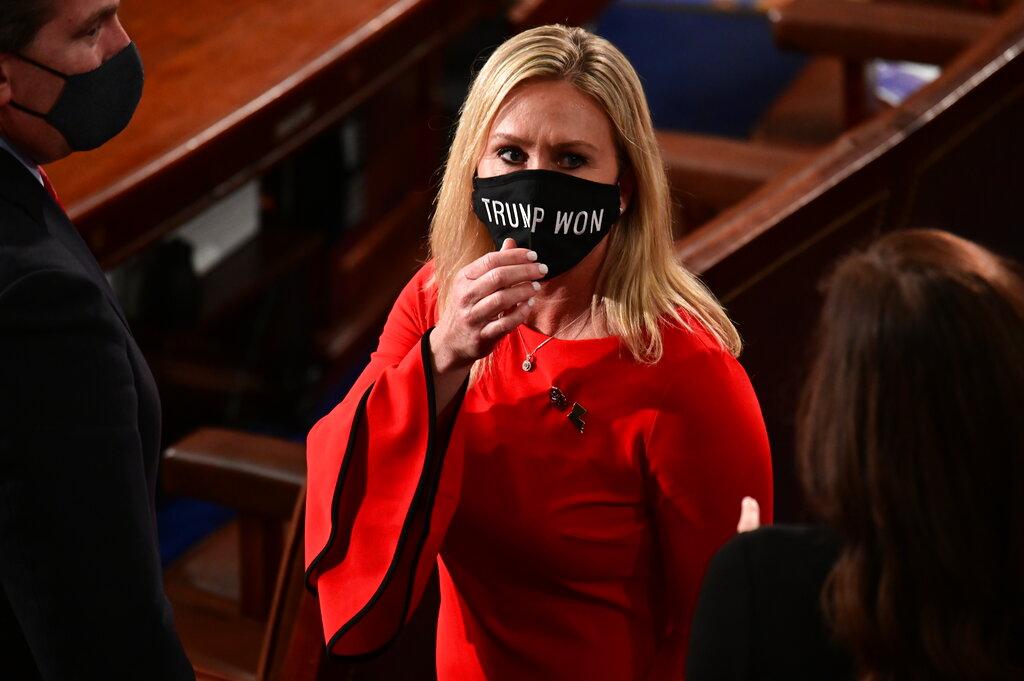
{"x":529,"y":361}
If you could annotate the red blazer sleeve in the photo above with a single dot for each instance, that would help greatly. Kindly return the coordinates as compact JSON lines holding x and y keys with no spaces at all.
{"x":706,"y":450}
{"x":381,"y":490}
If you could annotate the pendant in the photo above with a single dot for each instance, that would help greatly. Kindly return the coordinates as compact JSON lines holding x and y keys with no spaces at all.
{"x":528,"y":364}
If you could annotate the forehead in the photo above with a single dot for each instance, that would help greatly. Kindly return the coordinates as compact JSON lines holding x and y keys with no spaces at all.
{"x":74,"y":12}
{"x":549,"y":110}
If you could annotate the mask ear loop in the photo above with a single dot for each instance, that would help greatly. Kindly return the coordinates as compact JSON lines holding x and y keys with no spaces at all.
{"x":30,"y":112}
{"x":44,"y":67}
{"x":624,"y":164}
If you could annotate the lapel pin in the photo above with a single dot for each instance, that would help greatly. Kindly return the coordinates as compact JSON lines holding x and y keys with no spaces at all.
{"x":576,"y":416}
{"x":557,"y":398}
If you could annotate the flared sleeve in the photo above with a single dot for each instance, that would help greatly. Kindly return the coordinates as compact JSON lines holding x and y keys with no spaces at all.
{"x":381,"y":487}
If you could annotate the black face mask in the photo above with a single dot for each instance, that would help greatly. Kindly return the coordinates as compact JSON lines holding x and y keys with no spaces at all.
{"x":560,"y":216}
{"x":96,"y":105}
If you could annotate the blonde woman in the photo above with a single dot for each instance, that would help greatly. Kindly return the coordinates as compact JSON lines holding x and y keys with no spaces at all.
{"x":560,"y":424}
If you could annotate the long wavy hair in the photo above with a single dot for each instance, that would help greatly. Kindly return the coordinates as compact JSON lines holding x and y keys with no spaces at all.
{"x":911,"y":446}
{"x":641,"y":281}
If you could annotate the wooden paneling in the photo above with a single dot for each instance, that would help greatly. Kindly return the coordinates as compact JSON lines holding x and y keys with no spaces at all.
{"x":948,"y":157}
{"x":231,"y":87}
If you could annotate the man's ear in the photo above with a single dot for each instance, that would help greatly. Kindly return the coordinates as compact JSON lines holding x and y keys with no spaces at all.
{"x":627,"y":182}
{"x":5,"y":81}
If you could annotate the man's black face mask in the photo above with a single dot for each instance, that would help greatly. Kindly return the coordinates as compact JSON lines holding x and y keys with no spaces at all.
{"x":96,"y":105}
{"x":560,"y":216}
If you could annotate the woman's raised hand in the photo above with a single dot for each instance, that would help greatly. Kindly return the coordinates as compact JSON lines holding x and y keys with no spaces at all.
{"x":491,"y":297}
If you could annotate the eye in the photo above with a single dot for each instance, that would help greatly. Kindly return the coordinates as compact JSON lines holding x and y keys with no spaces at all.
{"x":572,"y":161}
{"x":91,"y":33}
{"x":512,"y":155}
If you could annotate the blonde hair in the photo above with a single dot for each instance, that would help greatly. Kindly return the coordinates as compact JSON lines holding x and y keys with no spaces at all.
{"x":642,"y":281}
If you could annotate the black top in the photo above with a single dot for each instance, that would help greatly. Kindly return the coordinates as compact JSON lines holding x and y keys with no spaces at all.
{"x":759,"y":614}
{"x":81,"y":593}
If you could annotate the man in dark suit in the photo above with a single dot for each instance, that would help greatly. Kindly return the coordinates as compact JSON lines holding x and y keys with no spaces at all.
{"x":81,"y":593}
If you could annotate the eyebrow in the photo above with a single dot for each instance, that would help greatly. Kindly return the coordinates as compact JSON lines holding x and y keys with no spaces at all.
{"x":99,"y":16}
{"x":520,"y":141}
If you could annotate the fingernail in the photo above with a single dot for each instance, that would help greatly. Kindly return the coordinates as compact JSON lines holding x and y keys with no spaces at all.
{"x":543,"y":268}
{"x":531,"y":255}
{"x":536,"y":287}
{"x":530,"y":302}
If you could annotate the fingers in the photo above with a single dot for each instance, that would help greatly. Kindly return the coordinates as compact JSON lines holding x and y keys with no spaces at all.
{"x":493,"y":296}
{"x":491,"y":306}
{"x":499,"y":278}
{"x":502,"y":326}
{"x":750,"y":515}
{"x":506,"y":256}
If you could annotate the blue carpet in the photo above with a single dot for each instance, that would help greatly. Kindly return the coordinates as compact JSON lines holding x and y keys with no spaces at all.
{"x":183,"y":522}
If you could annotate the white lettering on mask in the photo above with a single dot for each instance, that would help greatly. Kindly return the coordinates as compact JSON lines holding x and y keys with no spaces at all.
{"x":525,"y":211}
{"x":579,"y":221}
{"x":538,"y":215}
{"x":562,"y":221}
{"x":513,"y":215}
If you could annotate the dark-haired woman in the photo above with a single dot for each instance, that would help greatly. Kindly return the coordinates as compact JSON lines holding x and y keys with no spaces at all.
{"x":911,"y":449}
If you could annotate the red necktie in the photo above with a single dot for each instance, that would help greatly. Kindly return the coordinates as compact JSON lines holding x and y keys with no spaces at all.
{"x":48,"y":186}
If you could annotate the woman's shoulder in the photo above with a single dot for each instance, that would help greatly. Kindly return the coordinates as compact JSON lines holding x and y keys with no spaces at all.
{"x":690,"y":349}
{"x":689,"y":336}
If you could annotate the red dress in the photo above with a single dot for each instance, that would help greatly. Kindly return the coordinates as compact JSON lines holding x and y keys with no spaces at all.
{"x":563,"y":554}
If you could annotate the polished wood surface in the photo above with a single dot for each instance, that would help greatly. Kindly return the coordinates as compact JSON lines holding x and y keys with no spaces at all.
{"x":293,"y":647}
{"x":204,"y":587}
{"x":884,"y":30}
{"x":708,"y":174}
{"x":248,"y":472}
{"x":231,"y":87}
{"x":949,"y":157}
{"x":223,"y":588}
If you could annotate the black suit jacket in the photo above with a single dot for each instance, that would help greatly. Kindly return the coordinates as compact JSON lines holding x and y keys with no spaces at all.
{"x":759,"y":614}
{"x":81,"y":592}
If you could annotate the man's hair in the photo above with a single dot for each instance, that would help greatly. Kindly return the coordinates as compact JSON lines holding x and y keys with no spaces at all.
{"x":20,"y":20}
